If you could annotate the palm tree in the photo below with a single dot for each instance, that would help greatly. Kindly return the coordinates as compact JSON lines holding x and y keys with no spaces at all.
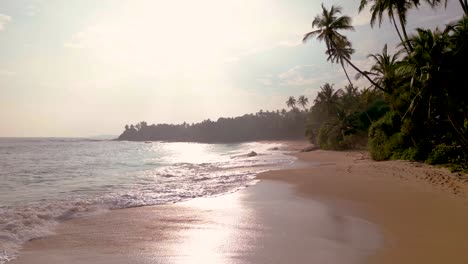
{"x":336,"y":55}
{"x":436,"y":99}
{"x":327,"y":100}
{"x":350,"y":99}
{"x":303,"y":101}
{"x":327,"y":30}
{"x":464,"y":4}
{"x":328,"y":25}
{"x":291,"y":102}
{"x":400,"y":7}
{"x":385,"y":69}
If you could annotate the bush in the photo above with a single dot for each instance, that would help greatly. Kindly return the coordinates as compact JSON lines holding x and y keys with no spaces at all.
{"x":411,"y":154}
{"x":443,"y":154}
{"x":384,"y":137}
{"x":330,"y":136}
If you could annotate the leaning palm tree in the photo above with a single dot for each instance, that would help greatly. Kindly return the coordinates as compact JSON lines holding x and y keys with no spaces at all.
{"x":435,"y":98}
{"x":385,"y":69}
{"x":396,"y":8}
{"x":303,"y":101}
{"x":424,"y":64}
{"x":392,"y":7}
{"x":337,"y":54}
{"x":464,"y":4}
{"x":291,"y":102}
{"x":328,"y":24}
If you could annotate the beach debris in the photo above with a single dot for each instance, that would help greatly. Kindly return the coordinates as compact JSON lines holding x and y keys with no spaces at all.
{"x":310,"y":148}
{"x":252,"y":154}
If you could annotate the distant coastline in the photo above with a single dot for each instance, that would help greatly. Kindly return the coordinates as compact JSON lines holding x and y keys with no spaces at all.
{"x":263,"y":125}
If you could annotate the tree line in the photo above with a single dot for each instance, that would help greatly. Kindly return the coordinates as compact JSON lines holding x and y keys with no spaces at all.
{"x":415,"y":106}
{"x":263,"y":125}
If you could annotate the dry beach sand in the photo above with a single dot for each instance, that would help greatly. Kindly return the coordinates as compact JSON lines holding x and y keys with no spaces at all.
{"x":334,"y":207}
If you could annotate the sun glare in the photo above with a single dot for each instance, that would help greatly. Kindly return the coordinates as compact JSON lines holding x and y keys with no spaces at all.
{"x":168,"y":38}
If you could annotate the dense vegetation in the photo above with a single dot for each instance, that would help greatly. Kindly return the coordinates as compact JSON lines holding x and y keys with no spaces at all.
{"x":415,"y":107}
{"x":264,"y":125}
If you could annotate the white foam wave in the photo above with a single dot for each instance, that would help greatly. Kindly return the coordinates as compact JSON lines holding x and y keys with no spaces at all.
{"x":21,"y":222}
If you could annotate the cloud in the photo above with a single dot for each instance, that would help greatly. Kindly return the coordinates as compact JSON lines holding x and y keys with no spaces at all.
{"x":6,"y":72}
{"x":362,"y":18}
{"x":309,"y":75}
{"x":267,"y":81}
{"x":305,"y":75}
{"x":31,"y":10}
{"x":298,"y":76}
{"x":96,"y":35}
{"x":289,"y":43}
{"x":4,"y":19}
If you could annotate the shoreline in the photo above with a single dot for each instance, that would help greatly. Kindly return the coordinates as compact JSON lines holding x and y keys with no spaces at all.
{"x":422,"y":210}
{"x":419,"y":222}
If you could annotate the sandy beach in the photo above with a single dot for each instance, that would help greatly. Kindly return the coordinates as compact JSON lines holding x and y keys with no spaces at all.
{"x":334,"y":207}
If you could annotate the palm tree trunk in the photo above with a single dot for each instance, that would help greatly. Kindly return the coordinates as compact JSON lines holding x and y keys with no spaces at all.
{"x":464,"y":4}
{"x":403,"y":28}
{"x":358,"y":70}
{"x":459,"y":132}
{"x":403,"y":42}
{"x":365,"y":75}
{"x":342,"y":65}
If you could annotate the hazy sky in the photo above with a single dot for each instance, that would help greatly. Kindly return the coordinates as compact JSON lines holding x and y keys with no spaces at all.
{"x":87,"y":67}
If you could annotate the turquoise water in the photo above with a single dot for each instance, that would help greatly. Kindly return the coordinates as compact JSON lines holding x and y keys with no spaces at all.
{"x":46,"y":181}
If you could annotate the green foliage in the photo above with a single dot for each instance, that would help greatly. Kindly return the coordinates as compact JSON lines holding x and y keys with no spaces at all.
{"x":339,"y":119}
{"x":420,"y":112}
{"x":451,"y":156}
{"x":384,"y":137}
{"x":443,"y":154}
{"x":330,"y":136}
{"x":263,"y":125}
{"x":411,"y":153}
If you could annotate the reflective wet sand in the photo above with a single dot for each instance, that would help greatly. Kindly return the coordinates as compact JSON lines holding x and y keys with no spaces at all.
{"x":266,"y":223}
{"x":343,"y":209}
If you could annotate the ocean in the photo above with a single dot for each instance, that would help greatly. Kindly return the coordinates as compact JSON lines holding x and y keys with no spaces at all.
{"x":44,"y":181}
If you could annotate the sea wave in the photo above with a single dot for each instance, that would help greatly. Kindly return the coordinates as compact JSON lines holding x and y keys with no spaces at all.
{"x":221,"y":171}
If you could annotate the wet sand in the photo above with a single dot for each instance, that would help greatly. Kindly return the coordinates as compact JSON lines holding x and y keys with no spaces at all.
{"x":265,"y":223}
{"x":421,"y":210}
{"x":343,"y":209}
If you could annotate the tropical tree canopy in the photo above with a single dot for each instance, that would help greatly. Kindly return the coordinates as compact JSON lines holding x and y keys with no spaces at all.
{"x":291,"y":102}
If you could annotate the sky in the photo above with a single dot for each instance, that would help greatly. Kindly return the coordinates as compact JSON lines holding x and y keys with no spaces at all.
{"x":83,"y":68}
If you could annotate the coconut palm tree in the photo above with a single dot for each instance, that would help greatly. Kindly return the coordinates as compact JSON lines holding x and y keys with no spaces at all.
{"x":392,"y":7}
{"x":328,"y":24}
{"x":436,"y":97}
{"x":328,"y":100}
{"x":423,"y":65}
{"x":464,"y":4}
{"x":291,"y":102}
{"x":399,"y":8}
{"x":337,"y":54}
{"x":303,"y":101}
{"x":385,"y":69}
